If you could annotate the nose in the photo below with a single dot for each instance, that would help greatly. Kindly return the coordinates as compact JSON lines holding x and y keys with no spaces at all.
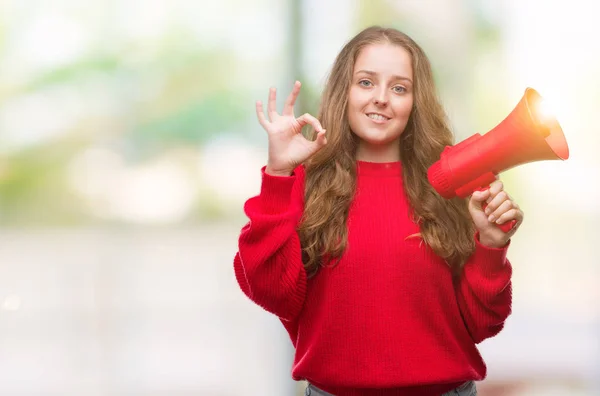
{"x":380,"y":97}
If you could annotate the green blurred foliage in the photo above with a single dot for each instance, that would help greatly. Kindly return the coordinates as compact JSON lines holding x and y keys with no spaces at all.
{"x":180,"y":95}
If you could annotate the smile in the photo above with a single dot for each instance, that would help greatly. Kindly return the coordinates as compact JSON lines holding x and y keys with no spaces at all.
{"x":378,"y":118}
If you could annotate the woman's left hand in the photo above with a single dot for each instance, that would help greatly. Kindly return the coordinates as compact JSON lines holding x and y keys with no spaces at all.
{"x":500,"y":209}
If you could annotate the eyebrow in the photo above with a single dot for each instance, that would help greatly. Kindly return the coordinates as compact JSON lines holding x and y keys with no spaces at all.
{"x":372,"y":73}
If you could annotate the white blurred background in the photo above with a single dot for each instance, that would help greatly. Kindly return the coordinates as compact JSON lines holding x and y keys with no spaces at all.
{"x":128,"y":144}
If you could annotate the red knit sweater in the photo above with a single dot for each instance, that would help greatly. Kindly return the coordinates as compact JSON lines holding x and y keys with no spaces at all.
{"x":387,"y":320}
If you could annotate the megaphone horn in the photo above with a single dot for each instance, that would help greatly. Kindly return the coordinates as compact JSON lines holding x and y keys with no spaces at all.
{"x":527,"y":134}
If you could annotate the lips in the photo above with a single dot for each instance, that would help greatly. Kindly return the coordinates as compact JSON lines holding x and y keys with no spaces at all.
{"x":377,"y":118}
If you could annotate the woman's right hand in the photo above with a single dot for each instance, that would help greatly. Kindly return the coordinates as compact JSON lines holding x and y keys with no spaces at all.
{"x":288,"y":148}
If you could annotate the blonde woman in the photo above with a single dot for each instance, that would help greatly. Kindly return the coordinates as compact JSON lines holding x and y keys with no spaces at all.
{"x":384,"y":287}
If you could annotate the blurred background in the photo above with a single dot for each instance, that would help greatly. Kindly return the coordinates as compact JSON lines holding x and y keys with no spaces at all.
{"x":129,"y":143}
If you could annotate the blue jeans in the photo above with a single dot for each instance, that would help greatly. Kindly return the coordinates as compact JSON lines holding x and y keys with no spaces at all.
{"x":466,"y":389}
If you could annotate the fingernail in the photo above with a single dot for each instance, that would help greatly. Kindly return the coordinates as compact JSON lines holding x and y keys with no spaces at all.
{"x":491,"y":218}
{"x":487,"y":211}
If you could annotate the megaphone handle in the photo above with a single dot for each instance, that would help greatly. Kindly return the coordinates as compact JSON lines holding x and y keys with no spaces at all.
{"x":506,"y":227}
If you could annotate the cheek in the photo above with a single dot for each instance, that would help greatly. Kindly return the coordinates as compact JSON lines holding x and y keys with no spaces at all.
{"x":404,"y":108}
{"x":353,"y":117}
{"x":355,"y":108}
{"x":357,"y":99}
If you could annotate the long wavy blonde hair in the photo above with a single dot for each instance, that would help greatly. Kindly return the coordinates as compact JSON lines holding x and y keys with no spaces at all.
{"x":331,"y":173}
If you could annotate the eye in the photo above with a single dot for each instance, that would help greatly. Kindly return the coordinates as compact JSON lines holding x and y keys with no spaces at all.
{"x":399,"y":89}
{"x":365,"y":83}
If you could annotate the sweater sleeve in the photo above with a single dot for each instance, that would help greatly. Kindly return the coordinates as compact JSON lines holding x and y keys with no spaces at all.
{"x":268,"y":265}
{"x":484,"y":291}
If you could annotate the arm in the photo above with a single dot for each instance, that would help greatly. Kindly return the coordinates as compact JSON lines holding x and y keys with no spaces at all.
{"x":484,"y":288}
{"x":268,"y":265}
{"x":484,"y":291}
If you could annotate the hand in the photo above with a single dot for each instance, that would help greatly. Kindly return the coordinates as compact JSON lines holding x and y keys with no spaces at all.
{"x":500,"y":209}
{"x":288,"y":148}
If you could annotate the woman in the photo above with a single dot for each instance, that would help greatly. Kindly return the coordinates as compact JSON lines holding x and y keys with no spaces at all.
{"x":384,"y":287}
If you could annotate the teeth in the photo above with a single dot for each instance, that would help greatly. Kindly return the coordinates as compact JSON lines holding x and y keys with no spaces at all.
{"x":377,"y":117}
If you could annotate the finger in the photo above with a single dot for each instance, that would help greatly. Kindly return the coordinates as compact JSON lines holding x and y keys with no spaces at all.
{"x":321,"y":139}
{"x":306,"y":118}
{"x":478,"y":198}
{"x":520,"y":217}
{"x":495,"y":202}
{"x":261,"y":114}
{"x":518,"y":221}
{"x":513,"y":214}
{"x":495,"y":188}
{"x":503,"y":208}
{"x":272,"y":105}
{"x":288,"y":108}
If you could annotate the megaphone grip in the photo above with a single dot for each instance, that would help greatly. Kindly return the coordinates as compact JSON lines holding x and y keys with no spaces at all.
{"x":506,"y":227}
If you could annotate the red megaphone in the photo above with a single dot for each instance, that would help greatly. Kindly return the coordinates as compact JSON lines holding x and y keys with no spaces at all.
{"x":528,"y":134}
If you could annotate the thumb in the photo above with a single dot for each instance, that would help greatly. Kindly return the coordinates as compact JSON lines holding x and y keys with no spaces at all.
{"x":478,"y":199}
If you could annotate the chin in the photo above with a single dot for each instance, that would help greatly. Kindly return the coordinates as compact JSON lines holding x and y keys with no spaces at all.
{"x":379,"y":143}
{"x":378,"y":139}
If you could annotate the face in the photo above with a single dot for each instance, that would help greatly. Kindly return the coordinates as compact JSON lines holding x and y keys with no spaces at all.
{"x":380,"y":100}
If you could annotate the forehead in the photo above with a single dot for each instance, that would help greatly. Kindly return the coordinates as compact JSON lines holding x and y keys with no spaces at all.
{"x":384,"y":58}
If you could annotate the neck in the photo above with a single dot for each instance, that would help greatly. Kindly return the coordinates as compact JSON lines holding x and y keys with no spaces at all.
{"x":379,"y":153}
